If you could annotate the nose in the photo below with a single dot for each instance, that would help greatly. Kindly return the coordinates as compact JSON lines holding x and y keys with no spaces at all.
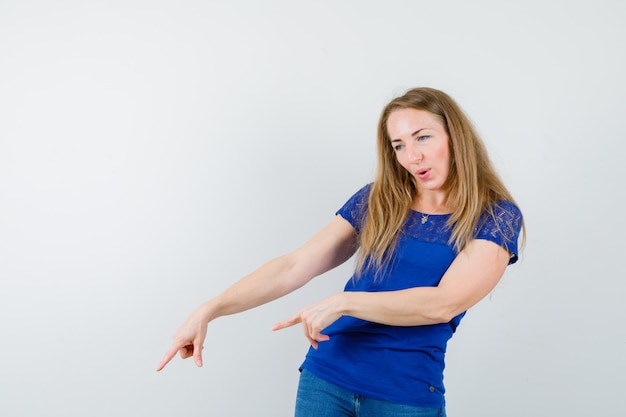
{"x":414,"y":153}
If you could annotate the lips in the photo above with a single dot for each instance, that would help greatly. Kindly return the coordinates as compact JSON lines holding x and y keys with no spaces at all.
{"x":422,"y":173}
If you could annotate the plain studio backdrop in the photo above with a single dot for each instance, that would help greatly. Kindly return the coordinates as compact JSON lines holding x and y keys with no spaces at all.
{"x":153,"y":152}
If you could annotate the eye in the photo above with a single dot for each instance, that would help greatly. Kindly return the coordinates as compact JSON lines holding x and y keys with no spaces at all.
{"x":422,"y":138}
{"x":398,"y":147}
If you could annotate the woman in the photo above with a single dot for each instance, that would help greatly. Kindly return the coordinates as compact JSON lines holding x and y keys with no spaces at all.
{"x":433,"y":235}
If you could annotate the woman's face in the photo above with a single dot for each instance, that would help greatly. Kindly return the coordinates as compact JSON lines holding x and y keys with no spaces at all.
{"x":420,"y":142}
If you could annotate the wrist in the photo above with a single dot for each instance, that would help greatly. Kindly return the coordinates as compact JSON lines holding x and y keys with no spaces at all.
{"x":343,"y":303}
{"x":208,"y":310}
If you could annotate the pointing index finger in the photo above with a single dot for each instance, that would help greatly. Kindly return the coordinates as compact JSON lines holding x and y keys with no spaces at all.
{"x":287,"y":323}
{"x":167,"y":357}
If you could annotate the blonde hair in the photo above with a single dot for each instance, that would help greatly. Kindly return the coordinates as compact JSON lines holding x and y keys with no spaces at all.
{"x":472,"y":185}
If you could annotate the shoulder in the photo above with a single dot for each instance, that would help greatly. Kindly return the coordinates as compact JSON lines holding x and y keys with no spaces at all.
{"x":364,"y":191}
{"x":505,"y":212}
{"x":501,"y":222}
{"x":361,"y":196}
{"x":501,"y":214}
{"x":355,"y":208}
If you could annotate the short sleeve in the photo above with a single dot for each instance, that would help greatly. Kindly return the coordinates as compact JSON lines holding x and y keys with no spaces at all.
{"x":354,"y":209}
{"x":503,"y":228}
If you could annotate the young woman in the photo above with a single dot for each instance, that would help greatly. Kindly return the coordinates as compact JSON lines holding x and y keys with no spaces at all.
{"x":432,"y":235}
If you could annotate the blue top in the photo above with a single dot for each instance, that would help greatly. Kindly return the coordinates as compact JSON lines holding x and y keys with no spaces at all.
{"x":395,"y":363}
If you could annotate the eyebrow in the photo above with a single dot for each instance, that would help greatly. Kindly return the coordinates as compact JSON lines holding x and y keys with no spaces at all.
{"x":412,"y":134}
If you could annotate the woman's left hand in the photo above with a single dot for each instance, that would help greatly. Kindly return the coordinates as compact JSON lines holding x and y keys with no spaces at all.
{"x":316,"y":317}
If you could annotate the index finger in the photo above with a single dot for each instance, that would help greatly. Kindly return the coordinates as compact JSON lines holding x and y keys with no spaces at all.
{"x":287,"y":323}
{"x":167,"y":357}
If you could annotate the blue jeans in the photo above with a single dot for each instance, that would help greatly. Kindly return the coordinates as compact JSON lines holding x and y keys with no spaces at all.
{"x":318,"y":398}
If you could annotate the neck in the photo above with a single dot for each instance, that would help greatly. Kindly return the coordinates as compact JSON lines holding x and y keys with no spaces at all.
{"x":431,"y":203}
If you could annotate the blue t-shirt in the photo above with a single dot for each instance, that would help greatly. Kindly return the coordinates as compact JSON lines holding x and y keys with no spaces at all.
{"x":402,"y":364}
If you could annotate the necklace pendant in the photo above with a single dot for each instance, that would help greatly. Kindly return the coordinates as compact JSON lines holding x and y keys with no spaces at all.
{"x":424,"y":218}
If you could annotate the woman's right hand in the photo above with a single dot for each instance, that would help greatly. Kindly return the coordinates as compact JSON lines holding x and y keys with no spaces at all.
{"x":189,"y":338}
{"x":330,"y":247}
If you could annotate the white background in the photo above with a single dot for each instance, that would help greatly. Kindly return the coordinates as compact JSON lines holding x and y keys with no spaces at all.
{"x":153,"y":152}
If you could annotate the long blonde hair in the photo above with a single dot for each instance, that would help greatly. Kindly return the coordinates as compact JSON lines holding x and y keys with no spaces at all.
{"x":472,"y":185}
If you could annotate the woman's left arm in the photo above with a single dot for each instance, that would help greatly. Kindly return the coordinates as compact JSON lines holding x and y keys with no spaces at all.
{"x":472,"y":275}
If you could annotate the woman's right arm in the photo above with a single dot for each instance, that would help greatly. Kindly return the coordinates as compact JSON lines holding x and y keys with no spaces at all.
{"x":330,"y":247}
